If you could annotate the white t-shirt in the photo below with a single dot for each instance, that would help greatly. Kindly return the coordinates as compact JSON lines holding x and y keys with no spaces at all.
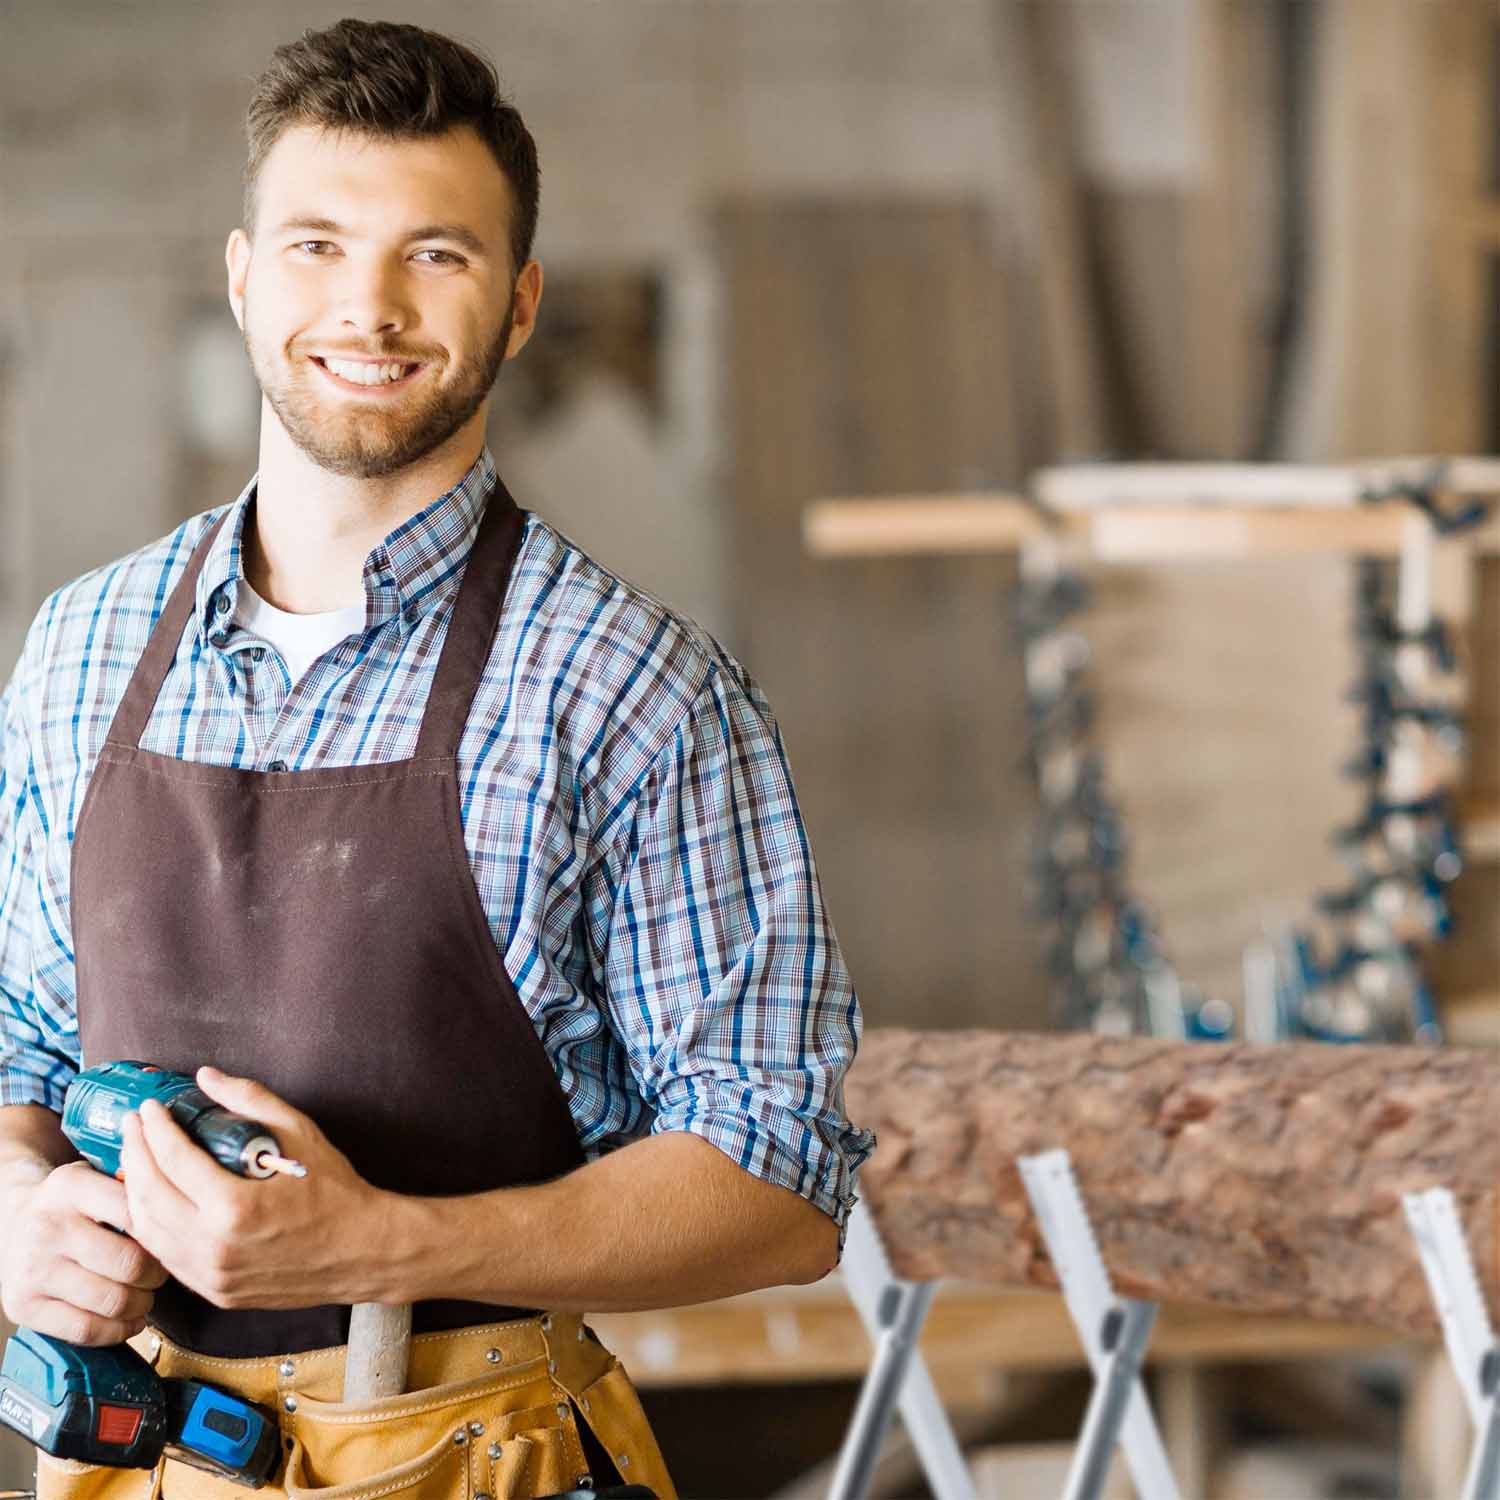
{"x":301,"y":639}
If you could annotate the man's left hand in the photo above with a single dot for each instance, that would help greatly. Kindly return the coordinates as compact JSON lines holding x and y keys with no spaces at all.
{"x":278,"y":1242}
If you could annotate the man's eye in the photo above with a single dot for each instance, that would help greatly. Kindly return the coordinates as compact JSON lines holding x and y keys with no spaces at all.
{"x":448,"y":257}
{"x":311,"y":245}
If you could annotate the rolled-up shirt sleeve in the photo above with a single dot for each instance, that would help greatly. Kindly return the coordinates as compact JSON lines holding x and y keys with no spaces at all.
{"x":725,"y":979}
{"x":38,"y":1013}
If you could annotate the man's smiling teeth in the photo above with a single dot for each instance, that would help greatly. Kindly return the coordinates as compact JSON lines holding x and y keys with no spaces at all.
{"x":366,"y":374}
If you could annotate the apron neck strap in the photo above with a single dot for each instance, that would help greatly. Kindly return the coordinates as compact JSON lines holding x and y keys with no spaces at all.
{"x":471,"y":630}
{"x":161,"y":649}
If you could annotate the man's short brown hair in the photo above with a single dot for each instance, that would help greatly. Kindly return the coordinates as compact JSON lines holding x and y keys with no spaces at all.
{"x":396,"y":82}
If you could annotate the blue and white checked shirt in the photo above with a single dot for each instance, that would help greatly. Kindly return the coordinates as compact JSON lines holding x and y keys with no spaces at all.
{"x":627,"y":807}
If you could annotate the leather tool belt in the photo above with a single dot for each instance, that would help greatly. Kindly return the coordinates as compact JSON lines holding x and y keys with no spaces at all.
{"x":490,"y":1413}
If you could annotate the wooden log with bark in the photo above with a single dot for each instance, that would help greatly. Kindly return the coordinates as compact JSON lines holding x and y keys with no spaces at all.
{"x":1262,"y":1178}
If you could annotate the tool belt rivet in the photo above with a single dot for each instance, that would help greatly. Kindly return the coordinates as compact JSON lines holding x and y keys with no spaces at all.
{"x":562,"y":1410}
{"x":493,"y":1355}
{"x":546,"y":1322}
{"x":494,"y":1450}
{"x":287,"y":1367}
{"x":460,"y":1437}
{"x":290,"y":1403}
{"x":552,"y":1367}
{"x":476,"y":1429}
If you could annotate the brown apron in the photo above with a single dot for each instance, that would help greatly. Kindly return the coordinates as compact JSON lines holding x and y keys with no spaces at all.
{"x":321,"y":931}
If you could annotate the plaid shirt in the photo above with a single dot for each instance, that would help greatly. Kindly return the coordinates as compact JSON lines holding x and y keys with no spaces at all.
{"x":627,"y":807}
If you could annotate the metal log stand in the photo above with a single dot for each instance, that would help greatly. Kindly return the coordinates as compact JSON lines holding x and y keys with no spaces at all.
{"x":893,"y":1312}
{"x":1114,"y":1331}
{"x":1439,"y":1234}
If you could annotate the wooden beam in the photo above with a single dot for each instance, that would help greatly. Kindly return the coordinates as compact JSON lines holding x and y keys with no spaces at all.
{"x":1163,"y":512}
{"x":1037,"y":30}
{"x":906,"y":525}
{"x":1461,"y":241}
{"x":934,"y":524}
{"x":1300,"y":486}
{"x":1168,"y":534}
{"x":1266,"y":1178}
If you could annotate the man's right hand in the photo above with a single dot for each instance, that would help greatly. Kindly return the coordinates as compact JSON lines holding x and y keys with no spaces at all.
{"x":63,"y":1270}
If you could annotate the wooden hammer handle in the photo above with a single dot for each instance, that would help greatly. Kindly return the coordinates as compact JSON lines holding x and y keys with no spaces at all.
{"x":379,"y":1348}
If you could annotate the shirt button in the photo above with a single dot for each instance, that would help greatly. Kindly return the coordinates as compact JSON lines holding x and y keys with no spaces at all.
{"x":222,"y":605}
{"x":277,"y":765}
{"x":257,"y":653}
{"x":411,"y":615}
{"x":219,"y":638}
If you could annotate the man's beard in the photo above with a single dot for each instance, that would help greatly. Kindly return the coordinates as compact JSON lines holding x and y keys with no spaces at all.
{"x":368,"y":440}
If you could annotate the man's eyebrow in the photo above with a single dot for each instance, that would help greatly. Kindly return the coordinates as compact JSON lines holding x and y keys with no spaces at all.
{"x":459,"y":234}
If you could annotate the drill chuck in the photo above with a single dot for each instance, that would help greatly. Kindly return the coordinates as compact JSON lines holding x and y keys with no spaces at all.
{"x":254,"y":1153}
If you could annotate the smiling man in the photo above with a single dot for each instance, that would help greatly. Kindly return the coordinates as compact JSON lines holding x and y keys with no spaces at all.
{"x":472,"y":870}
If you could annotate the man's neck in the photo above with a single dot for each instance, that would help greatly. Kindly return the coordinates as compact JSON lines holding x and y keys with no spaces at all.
{"x":312,"y":531}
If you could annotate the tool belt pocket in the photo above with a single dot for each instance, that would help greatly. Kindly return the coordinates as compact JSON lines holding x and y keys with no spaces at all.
{"x":65,"y":1479}
{"x":505,"y":1436}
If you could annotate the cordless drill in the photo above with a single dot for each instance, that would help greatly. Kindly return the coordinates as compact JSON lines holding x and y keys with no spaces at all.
{"x":107,"y":1406}
{"x":99,"y":1099}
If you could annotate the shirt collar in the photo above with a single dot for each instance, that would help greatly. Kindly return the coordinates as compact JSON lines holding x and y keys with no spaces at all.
{"x":404,"y":576}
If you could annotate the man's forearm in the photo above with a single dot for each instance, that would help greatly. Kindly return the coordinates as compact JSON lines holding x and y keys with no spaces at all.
{"x":666,"y":1221}
{"x":31,"y":1145}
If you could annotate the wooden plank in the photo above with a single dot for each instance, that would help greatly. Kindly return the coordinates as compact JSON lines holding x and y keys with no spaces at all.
{"x":893,"y":678}
{"x":1218,"y":402}
{"x":1304,"y":486}
{"x":1174,"y":535}
{"x":1037,"y":29}
{"x":1378,"y":91}
{"x":1459,"y":42}
{"x":916,"y":525}
{"x":908,"y":525}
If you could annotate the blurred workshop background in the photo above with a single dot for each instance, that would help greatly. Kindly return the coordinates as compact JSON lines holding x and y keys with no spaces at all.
{"x":809,"y":248}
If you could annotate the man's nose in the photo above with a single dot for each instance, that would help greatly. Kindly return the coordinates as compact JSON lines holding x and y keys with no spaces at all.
{"x":375,"y":300}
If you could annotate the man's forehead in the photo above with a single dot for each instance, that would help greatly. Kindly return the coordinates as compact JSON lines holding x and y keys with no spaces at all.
{"x":314,"y":170}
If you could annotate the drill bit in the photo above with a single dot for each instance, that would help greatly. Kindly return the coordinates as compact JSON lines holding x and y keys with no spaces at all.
{"x":269,"y":1161}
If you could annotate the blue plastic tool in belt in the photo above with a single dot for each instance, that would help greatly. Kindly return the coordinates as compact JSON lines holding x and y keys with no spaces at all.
{"x":107,"y":1406}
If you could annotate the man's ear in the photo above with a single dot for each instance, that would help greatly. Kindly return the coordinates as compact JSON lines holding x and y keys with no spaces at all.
{"x":524,"y":301}
{"x":237,"y":262}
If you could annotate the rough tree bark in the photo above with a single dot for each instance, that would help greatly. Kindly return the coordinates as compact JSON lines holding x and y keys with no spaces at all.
{"x":1261,"y":1178}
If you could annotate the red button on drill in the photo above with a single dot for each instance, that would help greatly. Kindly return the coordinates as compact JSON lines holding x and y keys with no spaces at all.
{"x":118,"y":1424}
